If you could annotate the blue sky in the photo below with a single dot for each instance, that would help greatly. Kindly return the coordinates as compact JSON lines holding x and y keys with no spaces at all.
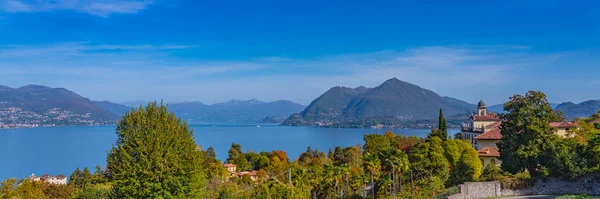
{"x":212,"y":51}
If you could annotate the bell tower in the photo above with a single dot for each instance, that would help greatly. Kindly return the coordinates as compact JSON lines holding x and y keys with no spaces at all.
{"x":481,"y":108}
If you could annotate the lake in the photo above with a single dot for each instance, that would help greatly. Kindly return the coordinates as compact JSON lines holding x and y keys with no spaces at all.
{"x":59,"y":150}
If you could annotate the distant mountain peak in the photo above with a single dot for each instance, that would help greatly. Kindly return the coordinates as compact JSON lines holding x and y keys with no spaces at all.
{"x":33,"y":87}
{"x":393,"y":98}
{"x":2,"y":87}
{"x":393,"y":79}
{"x":190,"y":102}
{"x":241,"y":102}
{"x":235,"y":111}
{"x":583,"y":109}
{"x":395,"y":82}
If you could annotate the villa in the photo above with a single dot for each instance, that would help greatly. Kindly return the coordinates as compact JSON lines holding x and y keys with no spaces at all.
{"x":232,"y":172}
{"x":483,"y":132}
{"x":55,"y":180}
{"x":230,"y":167}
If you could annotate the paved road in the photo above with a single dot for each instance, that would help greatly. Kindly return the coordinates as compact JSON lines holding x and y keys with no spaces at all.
{"x":533,"y":197}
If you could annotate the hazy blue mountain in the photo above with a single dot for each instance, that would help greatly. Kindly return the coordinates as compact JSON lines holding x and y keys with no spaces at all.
{"x":36,"y":104}
{"x":235,"y":111}
{"x":499,"y":108}
{"x":459,"y":103}
{"x":117,"y":109}
{"x":392,"y":101}
{"x":135,"y":103}
{"x":401,"y":100}
{"x":583,"y":109}
{"x":328,"y":107}
{"x":496,"y":108}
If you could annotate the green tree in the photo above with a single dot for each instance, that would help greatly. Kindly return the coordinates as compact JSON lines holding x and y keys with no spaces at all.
{"x":375,"y":143}
{"x":30,"y":189}
{"x":567,"y":159}
{"x":98,"y":176}
{"x":312,"y":157}
{"x":593,"y":154}
{"x":216,"y":171}
{"x":258,"y":161}
{"x":452,"y":151}
{"x":429,"y":165}
{"x":526,"y":133}
{"x":96,"y":191}
{"x":86,"y":176}
{"x":155,"y":156}
{"x":407,"y":143}
{"x":8,"y":188}
{"x":237,"y":157}
{"x":372,"y":166}
{"x":468,"y":167}
{"x":76,"y":179}
{"x":395,"y":163}
{"x":442,"y":126}
{"x":59,"y":191}
{"x":210,"y":152}
{"x":491,"y":173}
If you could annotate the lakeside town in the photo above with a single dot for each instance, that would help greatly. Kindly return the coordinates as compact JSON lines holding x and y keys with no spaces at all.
{"x":14,"y":117}
{"x":487,"y":159}
{"x":271,"y":99}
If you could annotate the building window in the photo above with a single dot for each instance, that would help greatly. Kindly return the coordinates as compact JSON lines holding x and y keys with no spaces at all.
{"x":493,"y":161}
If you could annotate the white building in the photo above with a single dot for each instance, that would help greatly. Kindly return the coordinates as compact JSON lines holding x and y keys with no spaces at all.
{"x":484,"y":130}
{"x":56,"y":180}
{"x":478,"y":124}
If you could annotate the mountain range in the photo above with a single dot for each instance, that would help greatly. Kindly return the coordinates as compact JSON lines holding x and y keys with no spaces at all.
{"x":583,"y":109}
{"x":236,"y":111}
{"x":35,"y":105}
{"x":392,"y":100}
{"x":398,"y":104}
{"x":232,"y":111}
{"x":393,"y":104}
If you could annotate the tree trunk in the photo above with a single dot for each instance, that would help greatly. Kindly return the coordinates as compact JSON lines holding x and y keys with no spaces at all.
{"x":391,"y":175}
{"x":394,"y":180}
{"x":400,"y":182}
{"x":372,"y":187}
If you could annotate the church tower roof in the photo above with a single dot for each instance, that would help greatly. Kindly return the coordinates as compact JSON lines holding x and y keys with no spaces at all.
{"x":481,"y":104}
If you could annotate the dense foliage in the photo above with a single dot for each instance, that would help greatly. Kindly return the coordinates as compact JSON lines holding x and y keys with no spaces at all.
{"x":530,"y":144}
{"x":155,"y":156}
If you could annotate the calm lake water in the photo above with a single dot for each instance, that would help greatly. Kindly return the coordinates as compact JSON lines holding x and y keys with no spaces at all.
{"x":59,"y":150}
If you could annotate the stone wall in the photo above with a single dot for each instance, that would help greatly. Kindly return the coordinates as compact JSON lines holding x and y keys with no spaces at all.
{"x":457,"y":196}
{"x":586,"y":185}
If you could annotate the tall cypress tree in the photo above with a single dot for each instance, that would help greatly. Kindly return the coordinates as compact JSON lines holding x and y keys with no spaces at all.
{"x":442,"y":126}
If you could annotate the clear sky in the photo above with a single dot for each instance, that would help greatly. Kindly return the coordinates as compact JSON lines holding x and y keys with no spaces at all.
{"x":212,"y":51}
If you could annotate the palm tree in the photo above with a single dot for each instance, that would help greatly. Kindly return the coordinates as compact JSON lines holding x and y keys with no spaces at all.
{"x":395,"y":162}
{"x":373,"y":166}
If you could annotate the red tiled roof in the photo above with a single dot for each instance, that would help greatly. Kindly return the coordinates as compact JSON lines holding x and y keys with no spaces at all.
{"x":489,"y":152}
{"x":488,"y":117}
{"x":60,"y":176}
{"x":493,"y":125}
{"x":493,"y":134}
{"x":562,"y":124}
{"x":250,"y":173}
{"x":229,"y":165}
